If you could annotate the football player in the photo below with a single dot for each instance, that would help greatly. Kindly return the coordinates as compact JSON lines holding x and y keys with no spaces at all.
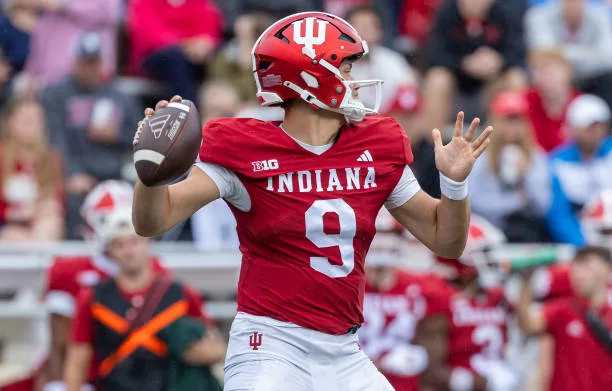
{"x":464,"y":331}
{"x":394,"y":303}
{"x":68,"y":274}
{"x":305,"y":194}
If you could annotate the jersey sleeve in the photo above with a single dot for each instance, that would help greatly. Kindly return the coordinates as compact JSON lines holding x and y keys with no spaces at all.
{"x":552,"y":282}
{"x":81,"y":330}
{"x":405,"y":189}
{"x":60,"y":297}
{"x":220,"y":158}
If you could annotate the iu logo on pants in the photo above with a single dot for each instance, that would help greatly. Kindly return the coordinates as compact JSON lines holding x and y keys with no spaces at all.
{"x":255,"y":340}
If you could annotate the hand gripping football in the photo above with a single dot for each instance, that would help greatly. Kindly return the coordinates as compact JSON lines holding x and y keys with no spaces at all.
{"x":168,"y":143}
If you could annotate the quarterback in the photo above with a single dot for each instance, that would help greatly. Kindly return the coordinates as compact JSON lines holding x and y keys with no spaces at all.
{"x":305,"y":194}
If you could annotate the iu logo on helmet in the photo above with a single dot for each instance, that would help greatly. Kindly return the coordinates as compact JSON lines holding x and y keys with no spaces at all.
{"x":309,"y":39}
{"x":255,"y":340}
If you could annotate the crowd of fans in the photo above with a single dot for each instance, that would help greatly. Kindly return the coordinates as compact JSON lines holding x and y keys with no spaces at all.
{"x":540,"y":71}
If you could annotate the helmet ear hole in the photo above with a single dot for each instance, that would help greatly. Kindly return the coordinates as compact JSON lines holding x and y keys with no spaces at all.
{"x":263,"y":65}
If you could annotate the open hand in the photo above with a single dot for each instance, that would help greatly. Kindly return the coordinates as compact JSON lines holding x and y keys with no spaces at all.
{"x":456,"y":159}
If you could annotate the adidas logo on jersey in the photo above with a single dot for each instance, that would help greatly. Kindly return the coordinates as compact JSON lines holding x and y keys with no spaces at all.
{"x":365,"y":157}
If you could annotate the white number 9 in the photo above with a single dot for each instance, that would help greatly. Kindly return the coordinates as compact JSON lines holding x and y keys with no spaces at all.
{"x":344,"y":239}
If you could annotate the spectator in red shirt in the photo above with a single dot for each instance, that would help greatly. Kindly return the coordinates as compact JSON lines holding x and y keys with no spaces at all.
{"x":120,"y":321}
{"x":172,"y":39}
{"x":549,"y":96}
{"x":31,"y":177}
{"x":581,"y":360}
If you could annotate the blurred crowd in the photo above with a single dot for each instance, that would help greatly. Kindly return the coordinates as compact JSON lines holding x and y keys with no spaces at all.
{"x":75,"y":77}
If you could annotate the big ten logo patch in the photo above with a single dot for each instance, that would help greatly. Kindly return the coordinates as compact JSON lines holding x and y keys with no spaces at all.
{"x":265,"y":165}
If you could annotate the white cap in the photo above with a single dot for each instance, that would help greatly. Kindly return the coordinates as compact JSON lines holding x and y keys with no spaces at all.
{"x":586,"y":110}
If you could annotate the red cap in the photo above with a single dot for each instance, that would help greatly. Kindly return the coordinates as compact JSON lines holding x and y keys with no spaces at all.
{"x":509,"y":103}
{"x":407,"y":98}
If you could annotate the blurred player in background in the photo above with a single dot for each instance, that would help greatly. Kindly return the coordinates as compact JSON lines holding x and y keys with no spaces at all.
{"x":394,"y":303}
{"x":464,"y":331}
{"x":68,"y":274}
{"x":135,"y":325}
{"x":305,"y":194}
{"x":579,"y":324}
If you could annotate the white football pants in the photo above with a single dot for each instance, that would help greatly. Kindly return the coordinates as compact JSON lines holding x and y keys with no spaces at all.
{"x":265,"y":354}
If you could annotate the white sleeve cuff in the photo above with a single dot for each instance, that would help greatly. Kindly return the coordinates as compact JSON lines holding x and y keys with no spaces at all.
{"x":230,"y":187}
{"x":405,"y":189}
{"x":61,"y":303}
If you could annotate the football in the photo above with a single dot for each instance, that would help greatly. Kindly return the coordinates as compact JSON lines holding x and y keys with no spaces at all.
{"x":168,"y":144}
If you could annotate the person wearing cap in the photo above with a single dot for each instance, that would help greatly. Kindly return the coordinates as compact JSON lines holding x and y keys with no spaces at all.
{"x":90,"y":121}
{"x":580,"y":168}
{"x":57,"y":33}
{"x":510,"y":181}
{"x":578,"y":323}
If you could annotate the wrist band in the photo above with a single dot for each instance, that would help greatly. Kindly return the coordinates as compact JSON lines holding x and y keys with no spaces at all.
{"x":461,"y":380}
{"x":453,"y":190}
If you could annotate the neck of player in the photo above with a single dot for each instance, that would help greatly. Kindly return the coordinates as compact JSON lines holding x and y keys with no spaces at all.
{"x":311,"y":126}
{"x":134,"y":280}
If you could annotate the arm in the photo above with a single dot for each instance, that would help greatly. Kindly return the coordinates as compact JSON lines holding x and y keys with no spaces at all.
{"x":59,"y":327}
{"x":442,"y":225}
{"x":432,"y":334}
{"x":530,"y":322}
{"x":77,"y":363}
{"x":210,"y":349}
{"x":159,"y":208}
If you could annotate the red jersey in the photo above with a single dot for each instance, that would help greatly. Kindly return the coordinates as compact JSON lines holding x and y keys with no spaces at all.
{"x":308,"y":218}
{"x":548,"y":131}
{"x":580,"y":361}
{"x":391,"y":317}
{"x":67,"y":275}
{"x":477,"y":328}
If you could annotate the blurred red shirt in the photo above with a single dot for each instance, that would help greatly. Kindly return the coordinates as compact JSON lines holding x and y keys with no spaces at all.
{"x":580,"y":360}
{"x":548,"y":131}
{"x":158,"y":24}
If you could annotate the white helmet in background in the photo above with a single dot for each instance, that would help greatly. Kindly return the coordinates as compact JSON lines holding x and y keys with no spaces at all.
{"x":107,"y":211}
{"x":385,"y":250}
{"x":483,"y":237}
{"x":596,"y":219}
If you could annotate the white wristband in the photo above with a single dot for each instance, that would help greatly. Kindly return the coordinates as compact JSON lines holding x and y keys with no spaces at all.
{"x":461,"y":379}
{"x":453,"y":190}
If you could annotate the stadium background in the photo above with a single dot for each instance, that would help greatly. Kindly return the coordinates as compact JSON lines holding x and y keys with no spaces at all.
{"x":120,"y":56}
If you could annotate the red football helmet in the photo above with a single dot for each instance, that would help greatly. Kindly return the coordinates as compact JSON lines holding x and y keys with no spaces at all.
{"x":107,"y":211}
{"x":596,"y":219}
{"x":476,"y":260}
{"x":299,"y":57}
